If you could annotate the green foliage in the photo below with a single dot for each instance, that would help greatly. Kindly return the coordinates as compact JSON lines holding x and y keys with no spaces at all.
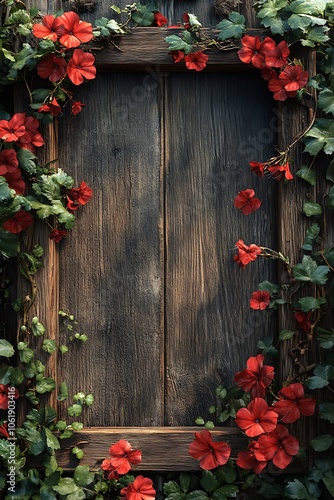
{"x":233,"y":27}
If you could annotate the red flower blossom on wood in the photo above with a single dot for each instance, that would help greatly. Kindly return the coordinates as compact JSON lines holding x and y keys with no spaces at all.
{"x":258,"y":168}
{"x":260,"y":300}
{"x":293,"y":403}
{"x":11,"y":130}
{"x":81,"y":66}
{"x":81,"y":194}
{"x":279,"y":446}
{"x":107,"y":466}
{"x":8,"y":161}
{"x":15,"y":181}
{"x":276,"y":86}
{"x":177,"y":55}
{"x":256,"y":377}
{"x":4,"y":430}
{"x":19,"y":222}
{"x":280,"y":172}
{"x":51,"y":107}
{"x":277,"y":56}
{"x":253,"y":50}
{"x":257,"y":418}
{"x":57,"y":235}
{"x":268,"y":74}
{"x":77,"y":107}
{"x":159,"y":19}
{"x":304,"y":320}
{"x":74,"y":31}
{"x":140,"y":489}
{"x":252,"y":459}
{"x":210,"y":453}
{"x":4,"y":396}
{"x":122,"y":457}
{"x":32,"y":138}
{"x":246,"y":201}
{"x":48,"y":29}
{"x":293,"y":78}
{"x":196,"y":60}
{"x":52,"y":67}
{"x":246,"y":254}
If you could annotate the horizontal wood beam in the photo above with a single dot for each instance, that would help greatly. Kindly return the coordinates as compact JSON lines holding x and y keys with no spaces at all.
{"x":145,"y":49}
{"x":164,"y":449}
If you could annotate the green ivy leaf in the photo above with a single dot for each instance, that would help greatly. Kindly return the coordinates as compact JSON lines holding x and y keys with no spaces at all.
{"x":267,"y":286}
{"x":317,"y":34}
{"x":307,"y":174}
{"x":271,"y":8}
{"x":330,"y":172}
{"x":233,"y":27}
{"x":308,"y":6}
{"x":63,"y":392}
{"x":307,"y":304}
{"x":143,"y":16}
{"x":49,"y":346}
{"x":321,"y":378}
{"x":27,"y":160}
{"x":311,"y":208}
{"x":64,"y":216}
{"x":326,"y":100}
{"x":321,"y":136}
{"x":275,"y":24}
{"x":82,"y":476}
{"x":9,"y":244}
{"x":197,"y":495}
{"x":296,"y":489}
{"x":42,"y":211}
{"x":226,"y":474}
{"x":46,"y":384}
{"x":6,"y":349}
{"x":308,"y":270}
{"x":52,"y":442}
{"x":330,"y":198}
{"x":74,"y":410}
{"x":325,"y":338}
{"x":175,"y":42}
{"x":312,"y":234}
{"x":286,"y":334}
{"x":322,"y":443}
{"x":209,"y":481}
{"x":37,"y":441}
{"x":66,"y":486}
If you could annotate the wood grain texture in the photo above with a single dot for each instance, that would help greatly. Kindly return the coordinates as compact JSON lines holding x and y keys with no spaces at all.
{"x":111,"y":264}
{"x":214,"y":129}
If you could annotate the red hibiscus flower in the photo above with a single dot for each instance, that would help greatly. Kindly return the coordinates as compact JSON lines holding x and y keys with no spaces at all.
{"x":122,"y":456}
{"x":8,"y":161}
{"x":280,"y":93}
{"x":279,"y":446}
{"x":4,"y":396}
{"x":260,"y":300}
{"x":196,"y":61}
{"x":57,"y":235}
{"x":268,"y":74}
{"x":77,"y":107}
{"x":253,"y":50}
{"x":81,"y":194}
{"x":74,"y":31}
{"x":159,"y":19}
{"x":4,"y":430}
{"x":51,"y":107}
{"x":293,"y":78}
{"x":107,"y":466}
{"x":258,"y":168}
{"x":257,"y":418}
{"x":81,"y":66}
{"x":52,"y":67}
{"x":280,"y":172}
{"x":177,"y":55}
{"x":277,"y":56}
{"x":15,"y":181}
{"x":304,"y":320}
{"x":48,"y":29}
{"x":256,"y":377}
{"x":246,"y":201}
{"x":140,"y":489}
{"x":293,"y":403}
{"x":18,"y":223}
{"x":32,"y":138}
{"x":246,"y":254}
{"x":12,"y":130}
{"x":252,"y":459}
{"x":210,"y":453}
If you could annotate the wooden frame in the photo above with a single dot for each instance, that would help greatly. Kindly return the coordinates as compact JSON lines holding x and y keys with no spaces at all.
{"x":166,"y":448}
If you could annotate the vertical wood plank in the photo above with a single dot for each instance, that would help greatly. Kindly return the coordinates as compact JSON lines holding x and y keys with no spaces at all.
{"x":111,"y":265}
{"x":214,"y":130}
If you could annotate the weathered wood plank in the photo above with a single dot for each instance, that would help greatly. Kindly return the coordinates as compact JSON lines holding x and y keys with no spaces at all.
{"x":213,"y":131}
{"x":111,"y":274}
{"x":163,"y":449}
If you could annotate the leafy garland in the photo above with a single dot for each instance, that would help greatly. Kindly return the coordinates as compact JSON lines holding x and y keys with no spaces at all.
{"x":59,"y":52}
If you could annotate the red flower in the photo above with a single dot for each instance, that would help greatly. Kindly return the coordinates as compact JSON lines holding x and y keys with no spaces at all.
{"x":32,"y":137}
{"x":13,"y":129}
{"x":4,"y":396}
{"x":294,"y":403}
{"x":280,"y":172}
{"x":268,"y":74}
{"x":277,"y":56}
{"x":196,"y":60}
{"x":177,"y":55}
{"x":246,"y":254}
{"x":279,"y":446}
{"x":159,"y":19}
{"x":57,"y":235}
{"x":15,"y":181}
{"x":77,"y":107}
{"x":107,"y":466}
{"x":4,"y":430}
{"x":8,"y":161}
{"x":48,"y":29}
{"x":140,"y":489}
{"x":186,"y":19}
{"x":52,"y":67}
{"x":51,"y":107}
{"x":258,"y":168}
{"x":280,"y":93}
{"x":81,"y":66}
{"x":210,"y":453}
{"x":293,"y":78}
{"x":18,"y":223}
{"x":252,"y":459}
{"x":253,"y":50}
{"x":74,"y":31}
{"x":256,"y":377}
{"x":257,"y":418}
{"x":246,"y":202}
{"x":260,"y":300}
{"x":304,"y":320}
{"x":81,"y":194}
{"x":122,"y":456}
